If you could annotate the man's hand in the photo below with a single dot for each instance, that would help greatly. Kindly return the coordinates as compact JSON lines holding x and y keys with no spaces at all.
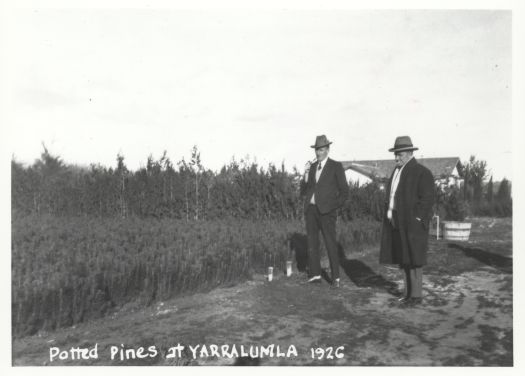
{"x":307,"y":170}
{"x":307,"y":167}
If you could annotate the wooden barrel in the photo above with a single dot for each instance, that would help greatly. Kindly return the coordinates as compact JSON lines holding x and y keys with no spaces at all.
{"x":459,"y":231}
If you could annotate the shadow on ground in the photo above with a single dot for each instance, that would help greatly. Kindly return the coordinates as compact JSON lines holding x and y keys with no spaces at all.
{"x":502,"y":263}
{"x":363,"y":276}
{"x":299,"y":245}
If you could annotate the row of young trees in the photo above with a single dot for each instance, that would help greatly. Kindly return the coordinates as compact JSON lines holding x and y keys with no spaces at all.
{"x":188,"y":190}
{"x":162,"y":189}
{"x":480,"y":194}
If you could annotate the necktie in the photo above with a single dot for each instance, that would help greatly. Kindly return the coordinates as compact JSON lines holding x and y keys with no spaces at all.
{"x":319,"y":166}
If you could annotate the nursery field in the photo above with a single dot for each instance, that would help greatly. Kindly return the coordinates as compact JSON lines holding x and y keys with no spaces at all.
{"x":71,"y":269}
{"x":464,"y":320}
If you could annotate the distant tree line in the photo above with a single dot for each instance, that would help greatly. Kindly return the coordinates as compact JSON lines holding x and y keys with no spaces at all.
{"x":163,"y":189}
{"x":240,"y":189}
{"x":481,"y":196}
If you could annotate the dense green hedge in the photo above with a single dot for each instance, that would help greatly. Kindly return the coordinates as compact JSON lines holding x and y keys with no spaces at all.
{"x":161,"y":190}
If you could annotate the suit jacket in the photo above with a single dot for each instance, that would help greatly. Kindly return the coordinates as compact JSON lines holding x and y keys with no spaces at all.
{"x":414,"y":198}
{"x":331,"y":191}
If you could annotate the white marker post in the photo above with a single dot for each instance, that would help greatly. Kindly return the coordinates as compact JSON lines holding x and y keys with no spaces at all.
{"x":288,"y":268}
{"x":270,"y":273}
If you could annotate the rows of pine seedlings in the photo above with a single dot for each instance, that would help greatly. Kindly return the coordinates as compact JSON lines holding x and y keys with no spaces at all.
{"x":66,"y":270}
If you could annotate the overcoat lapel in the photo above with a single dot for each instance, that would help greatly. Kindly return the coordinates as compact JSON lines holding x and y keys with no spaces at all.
{"x":406,"y":175}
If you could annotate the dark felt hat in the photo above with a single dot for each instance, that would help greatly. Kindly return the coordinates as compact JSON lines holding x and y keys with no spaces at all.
{"x":403,"y":143}
{"x":321,"y":141}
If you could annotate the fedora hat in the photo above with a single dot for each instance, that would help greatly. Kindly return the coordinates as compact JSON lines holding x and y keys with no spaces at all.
{"x":403,"y":143}
{"x":321,"y":141}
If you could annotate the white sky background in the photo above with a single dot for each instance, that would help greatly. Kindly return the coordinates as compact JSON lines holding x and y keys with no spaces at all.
{"x":93,"y":83}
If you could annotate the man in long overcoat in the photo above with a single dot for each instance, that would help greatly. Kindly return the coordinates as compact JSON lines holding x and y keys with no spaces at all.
{"x":325,"y":189}
{"x":408,"y":211}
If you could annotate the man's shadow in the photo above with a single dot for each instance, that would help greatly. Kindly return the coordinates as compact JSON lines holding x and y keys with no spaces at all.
{"x":298,"y":244}
{"x":502,"y":263}
{"x":363,"y":276}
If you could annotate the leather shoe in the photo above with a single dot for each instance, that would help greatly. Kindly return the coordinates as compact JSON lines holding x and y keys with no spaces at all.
{"x":416,"y":301}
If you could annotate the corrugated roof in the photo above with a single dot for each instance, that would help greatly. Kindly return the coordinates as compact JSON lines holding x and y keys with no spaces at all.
{"x":382,"y":169}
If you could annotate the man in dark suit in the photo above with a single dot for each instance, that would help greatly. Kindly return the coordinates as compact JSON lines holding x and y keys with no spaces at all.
{"x":325,"y":189}
{"x":408,"y":211}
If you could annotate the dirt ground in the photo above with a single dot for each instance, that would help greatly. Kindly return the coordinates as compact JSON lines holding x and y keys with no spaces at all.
{"x":465,"y":319}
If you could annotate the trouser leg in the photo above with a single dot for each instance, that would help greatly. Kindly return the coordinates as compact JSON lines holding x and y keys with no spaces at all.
{"x":408,"y":281}
{"x":312,"y":233}
{"x":416,"y":278}
{"x":328,"y":223}
{"x":405,"y":283}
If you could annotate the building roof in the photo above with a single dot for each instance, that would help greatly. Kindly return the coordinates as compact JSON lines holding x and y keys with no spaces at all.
{"x":382,"y":169}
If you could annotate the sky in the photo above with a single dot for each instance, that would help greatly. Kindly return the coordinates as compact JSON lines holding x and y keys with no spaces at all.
{"x":92,"y":83}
